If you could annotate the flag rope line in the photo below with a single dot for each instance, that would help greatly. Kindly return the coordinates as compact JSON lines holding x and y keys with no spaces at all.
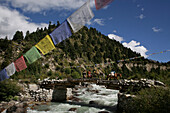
{"x":122,"y":60}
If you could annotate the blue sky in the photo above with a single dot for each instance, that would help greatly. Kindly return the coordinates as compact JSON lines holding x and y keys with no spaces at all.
{"x":142,"y":25}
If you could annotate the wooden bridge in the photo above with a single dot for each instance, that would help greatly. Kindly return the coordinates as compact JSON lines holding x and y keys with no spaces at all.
{"x":110,"y":84}
{"x":70,"y":83}
{"x":60,"y":87}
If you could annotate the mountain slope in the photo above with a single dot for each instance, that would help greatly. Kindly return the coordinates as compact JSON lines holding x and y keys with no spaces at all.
{"x":86,"y":47}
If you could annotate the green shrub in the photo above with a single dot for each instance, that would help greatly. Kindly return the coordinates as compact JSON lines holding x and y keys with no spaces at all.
{"x":47,"y":65}
{"x":58,"y":68}
{"x":67,"y":70}
{"x":50,"y":73}
{"x":153,"y":100}
{"x":15,"y":98}
{"x":75,"y":75}
{"x":8,"y":89}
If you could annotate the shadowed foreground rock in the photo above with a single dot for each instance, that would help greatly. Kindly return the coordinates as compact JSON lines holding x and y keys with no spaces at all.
{"x":18,"y":108}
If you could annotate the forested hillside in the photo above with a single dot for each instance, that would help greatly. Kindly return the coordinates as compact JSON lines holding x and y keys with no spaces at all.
{"x":82,"y":51}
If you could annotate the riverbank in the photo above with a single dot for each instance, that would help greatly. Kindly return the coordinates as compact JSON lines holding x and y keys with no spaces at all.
{"x":86,"y":96}
{"x":90,"y":98}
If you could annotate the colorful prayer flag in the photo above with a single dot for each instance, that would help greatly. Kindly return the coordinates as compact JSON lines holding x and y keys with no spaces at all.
{"x":61,"y":33}
{"x":10,"y":69}
{"x":20,"y":64}
{"x":32,"y":55}
{"x":45,"y":45}
{"x":101,"y":3}
{"x":79,"y":18}
{"x":3,"y":75}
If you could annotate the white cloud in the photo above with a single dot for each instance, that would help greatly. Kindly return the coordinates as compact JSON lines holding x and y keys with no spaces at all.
{"x":41,"y":5}
{"x":99,"y":21}
{"x":12,"y":20}
{"x":114,"y":31}
{"x":155,"y":29}
{"x":110,"y":18}
{"x":142,"y":9}
{"x":138,"y":5}
{"x":135,"y":46}
{"x":89,"y":23}
{"x":141,"y":16}
{"x":115,"y":37}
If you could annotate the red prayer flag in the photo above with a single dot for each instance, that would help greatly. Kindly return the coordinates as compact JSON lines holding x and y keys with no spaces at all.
{"x":102,"y":3}
{"x":20,"y":64}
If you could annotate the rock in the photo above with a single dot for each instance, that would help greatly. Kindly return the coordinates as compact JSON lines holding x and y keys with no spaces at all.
{"x":11,"y":109}
{"x":21,"y":110}
{"x":72,"y":109}
{"x":97,"y":91}
{"x":103,"y":112}
{"x":18,"y":108}
{"x":76,"y":99}
{"x":11,"y":103}
{"x":93,"y":102}
{"x":5,"y":105}
{"x":2,"y":109}
{"x":69,"y":93}
{"x":33,"y":87}
{"x":48,"y":109}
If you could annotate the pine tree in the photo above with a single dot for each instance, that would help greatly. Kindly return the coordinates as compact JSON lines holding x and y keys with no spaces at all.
{"x":18,"y":36}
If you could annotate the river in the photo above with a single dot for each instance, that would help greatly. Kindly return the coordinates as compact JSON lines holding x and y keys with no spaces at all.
{"x":93,"y":98}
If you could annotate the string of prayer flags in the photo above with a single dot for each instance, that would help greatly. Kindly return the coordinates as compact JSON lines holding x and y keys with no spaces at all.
{"x":80,"y":17}
{"x":122,"y":60}
{"x":32,"y":55}
{"x":45,"y":45}
{"x":10,"y":69}
{"x":61,"y":33}
{"x":159,"y":52}
{"x":20,"y":64}
{"x":3,"y":75}
{"x":101,"y":3}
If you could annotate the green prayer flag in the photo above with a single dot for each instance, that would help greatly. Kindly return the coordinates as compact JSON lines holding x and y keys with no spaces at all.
{"x":32,"y":55}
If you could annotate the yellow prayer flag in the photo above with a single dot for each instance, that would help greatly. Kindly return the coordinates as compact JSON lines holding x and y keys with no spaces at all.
{"x":45,"y":45}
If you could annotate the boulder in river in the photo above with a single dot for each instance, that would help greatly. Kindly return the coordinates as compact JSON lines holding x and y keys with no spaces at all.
{"x":103,"y":112}
{"x":93,"y":102}
{"x":72,"y":109}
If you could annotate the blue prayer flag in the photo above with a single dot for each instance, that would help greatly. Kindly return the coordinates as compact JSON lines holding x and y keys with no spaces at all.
{"x":61,"y":33}
{"x":3,"y":75}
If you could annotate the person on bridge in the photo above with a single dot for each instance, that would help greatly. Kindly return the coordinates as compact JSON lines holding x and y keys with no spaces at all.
{"x":84,"y":74}
{"x":89,"y":74}
{"x":113,"y":75}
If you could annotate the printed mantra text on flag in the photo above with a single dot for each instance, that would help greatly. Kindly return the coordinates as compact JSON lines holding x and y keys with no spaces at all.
{"x":61,"y":33}
{"x":10,"y":69}
{"x":3,"y":75}
{"x":101,"y":3}
{"x":20,"y":64}
{"x":80,"y":17}
{"x":45,"y":45}
{"x":32,"y":55}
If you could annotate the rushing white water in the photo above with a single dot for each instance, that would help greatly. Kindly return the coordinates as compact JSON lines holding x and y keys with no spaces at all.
{"x":98,"y":94}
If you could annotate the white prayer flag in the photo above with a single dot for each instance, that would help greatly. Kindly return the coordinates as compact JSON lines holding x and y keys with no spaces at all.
{"x":80,"y":17}
{"x":10,"y":69}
